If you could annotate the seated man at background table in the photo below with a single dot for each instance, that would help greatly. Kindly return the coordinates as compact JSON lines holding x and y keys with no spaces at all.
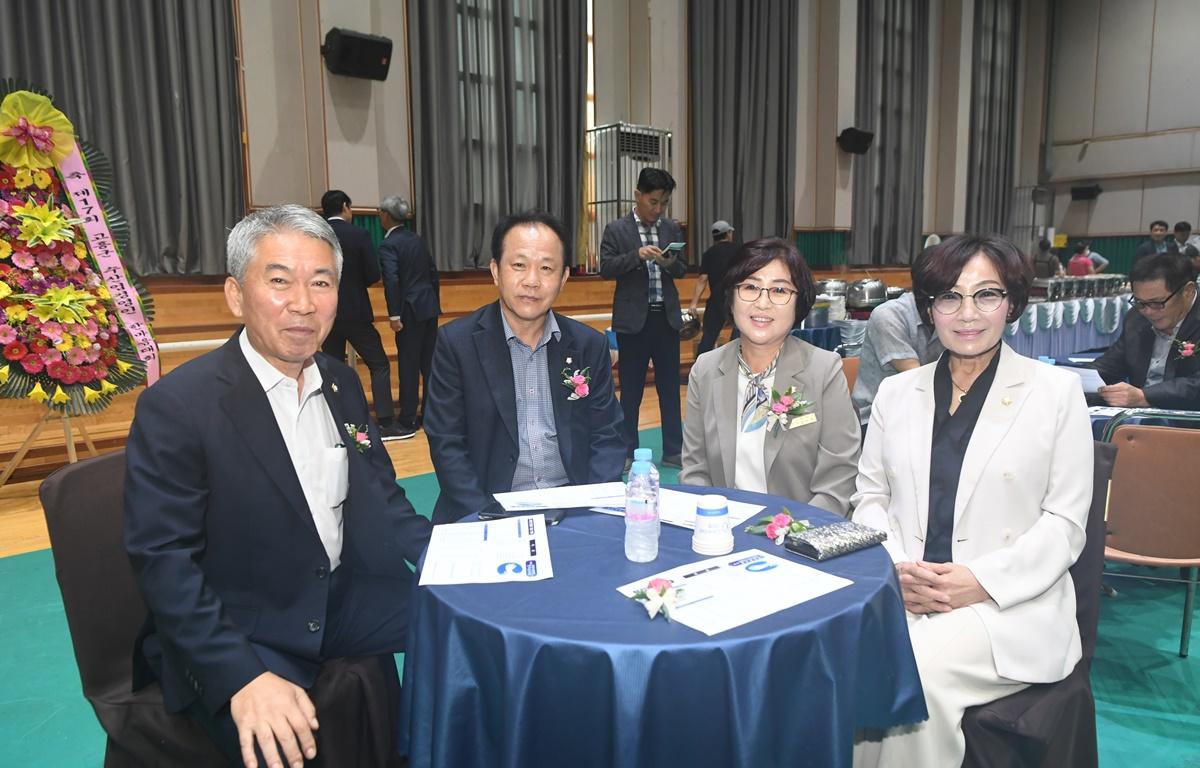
{"x":897,"y":340}
{"x":262,"y":515}
{"x":521,"y":397}
{"x":1154,"y":364}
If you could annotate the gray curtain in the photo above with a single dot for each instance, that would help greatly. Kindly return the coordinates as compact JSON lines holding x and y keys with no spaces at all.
{"x":743,"y":70}
{"x":890,"y":101}
{"x":498,"y":106}
{"x":995,"y":69}
{"x":152,"y":84}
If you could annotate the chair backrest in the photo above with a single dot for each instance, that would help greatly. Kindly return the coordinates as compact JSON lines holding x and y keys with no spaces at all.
{"x":1152,"y":510}
{"x":1088,"y":569}
{"x":850,"y":368}
{"x":84,"y":507}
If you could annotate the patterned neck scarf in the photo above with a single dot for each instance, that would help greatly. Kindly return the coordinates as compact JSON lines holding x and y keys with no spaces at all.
{"x":756,"y":403}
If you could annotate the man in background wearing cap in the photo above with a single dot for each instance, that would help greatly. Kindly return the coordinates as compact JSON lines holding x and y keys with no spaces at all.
{"x":410,"y":284}
{"x":712,"y":273}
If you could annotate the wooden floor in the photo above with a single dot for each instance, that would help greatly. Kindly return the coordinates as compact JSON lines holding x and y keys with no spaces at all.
{"x":23,"y":528}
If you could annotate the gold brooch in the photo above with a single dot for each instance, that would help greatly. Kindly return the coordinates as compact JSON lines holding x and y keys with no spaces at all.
{"x":1006,"y":401}
{"x":333,"y":386}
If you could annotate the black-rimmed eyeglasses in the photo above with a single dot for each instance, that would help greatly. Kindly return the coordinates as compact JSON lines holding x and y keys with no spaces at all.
{"x":778,"y":295}
{"x":986,"y":300}
{"x":1156,"y":304}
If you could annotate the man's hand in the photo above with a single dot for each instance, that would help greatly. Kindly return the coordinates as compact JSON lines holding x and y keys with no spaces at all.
{"x":918,"y":587}
{"x":648,"y":252}
{"x":396,"y":325}
{"x":958,"y":584}
{"x":269,"y":709}
{"x":1123,"y":396}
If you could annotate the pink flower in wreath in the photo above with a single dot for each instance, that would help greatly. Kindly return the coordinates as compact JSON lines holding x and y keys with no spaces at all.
{"x":7,"y":334}
{"x":52,"y":331}
{"x":778,"y":407}
{"x":70,"y":263}
{"x":659,"y":585}
{"x":581,"y":390}
{"x":23,"y":259}
{"x":32,"y":364}
{"x":47,"y":260}
{"x":76,"y":356}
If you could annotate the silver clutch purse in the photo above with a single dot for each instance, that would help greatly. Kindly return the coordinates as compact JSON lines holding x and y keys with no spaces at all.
{"x":826,"y":541}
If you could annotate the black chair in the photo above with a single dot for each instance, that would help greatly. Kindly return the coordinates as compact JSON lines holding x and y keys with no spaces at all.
{"x":1052,"y":724}
{"x":357,"y":698}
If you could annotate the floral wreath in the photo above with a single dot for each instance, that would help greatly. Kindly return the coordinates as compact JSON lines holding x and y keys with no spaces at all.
{"x":64,"y":343}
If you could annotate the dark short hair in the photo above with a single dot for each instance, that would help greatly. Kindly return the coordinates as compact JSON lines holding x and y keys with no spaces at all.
{"x":1183,"y":226}
{"x":1080,"y":247}
{"x":652,"y":179}
{"x":756,"y":254}
{"x":1191,"y":252}
{"x":939,"y":271}
{"x":1043,"y":244}
{"x":1159,"y":223}
{"x":509,"y":222}
{"x":1172,"y":267}
{"x":333,"y":201}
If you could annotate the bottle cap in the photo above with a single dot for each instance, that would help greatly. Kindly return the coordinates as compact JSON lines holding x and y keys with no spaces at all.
{"x":642,"y":454}
{"x":640,"y":468}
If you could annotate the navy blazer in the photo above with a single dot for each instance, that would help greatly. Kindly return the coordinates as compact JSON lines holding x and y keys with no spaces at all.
{"x":410,"y":278}
{"x":221,"y":538}
{"x":360,"y":268}
{"x":1129,"y":358}
{"x":471,"y":418}
{"x":619,"y":261}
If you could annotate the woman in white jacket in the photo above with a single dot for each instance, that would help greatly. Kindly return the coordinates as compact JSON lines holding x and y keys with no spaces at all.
{"x":979,"y":467}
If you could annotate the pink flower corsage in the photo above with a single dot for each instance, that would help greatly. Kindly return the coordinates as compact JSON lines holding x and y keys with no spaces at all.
{"x":777,"y":527}
{"x":1185,"y":348}
{"x":658,"y":596}
{"x":577,"y":381}
{"x":359,"y":436}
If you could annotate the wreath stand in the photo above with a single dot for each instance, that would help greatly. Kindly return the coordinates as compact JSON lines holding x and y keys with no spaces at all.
{"x":47,"y":418}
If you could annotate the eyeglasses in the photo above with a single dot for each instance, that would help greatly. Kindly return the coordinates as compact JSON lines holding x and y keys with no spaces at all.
{"x":778,"y":294}
{"x":986,"y":300}
{"x":1156,"y":305}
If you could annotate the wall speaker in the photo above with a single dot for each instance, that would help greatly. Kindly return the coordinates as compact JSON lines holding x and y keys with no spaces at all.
{"x":855,"y":141}
{"x":357,"y":54}
{"x":1089,"y":192}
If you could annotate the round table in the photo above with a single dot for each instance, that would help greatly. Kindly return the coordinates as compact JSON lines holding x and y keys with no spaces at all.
{"x":567,"y":671}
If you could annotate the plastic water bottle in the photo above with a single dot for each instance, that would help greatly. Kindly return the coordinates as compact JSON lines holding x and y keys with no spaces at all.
{"x":645,"y":454}
{"x":641,"y":515}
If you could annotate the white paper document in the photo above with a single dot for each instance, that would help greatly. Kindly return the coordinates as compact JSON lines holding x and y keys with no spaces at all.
{"x":1105,"y":410}
{"x":679,"y":508}
{"x":724,"y":592}
{"x":1089,"y":377}
{"x":513,"y":549}
{"x":567,"y":496}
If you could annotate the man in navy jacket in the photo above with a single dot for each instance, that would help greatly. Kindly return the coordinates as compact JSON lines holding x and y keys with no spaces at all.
{"x":262,"y":515}
{"x":521,"y":397}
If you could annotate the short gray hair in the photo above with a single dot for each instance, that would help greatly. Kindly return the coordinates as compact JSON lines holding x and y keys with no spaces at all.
{"x":396,"y":207}
{"x":243,"y":239}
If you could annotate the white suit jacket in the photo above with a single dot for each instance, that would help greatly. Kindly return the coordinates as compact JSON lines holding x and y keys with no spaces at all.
{"x":1020,"y":514}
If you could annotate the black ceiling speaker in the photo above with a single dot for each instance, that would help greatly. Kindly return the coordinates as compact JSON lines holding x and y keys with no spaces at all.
{"x":1089,"y":192}
{"x":855,"y":141}
{"x":357,"y":54}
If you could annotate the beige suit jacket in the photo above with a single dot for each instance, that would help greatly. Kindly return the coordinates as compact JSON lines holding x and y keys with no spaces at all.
{"x":1021,"y":510}
{"x":814,"y":463}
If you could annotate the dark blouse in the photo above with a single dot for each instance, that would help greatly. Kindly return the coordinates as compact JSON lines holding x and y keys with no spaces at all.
{"x":951,"y":435}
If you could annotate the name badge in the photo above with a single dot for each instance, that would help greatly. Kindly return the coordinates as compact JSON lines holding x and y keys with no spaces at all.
{"x":802,"y":420}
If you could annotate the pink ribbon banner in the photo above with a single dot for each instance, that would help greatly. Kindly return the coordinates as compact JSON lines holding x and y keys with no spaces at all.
{"x":108,"y":260}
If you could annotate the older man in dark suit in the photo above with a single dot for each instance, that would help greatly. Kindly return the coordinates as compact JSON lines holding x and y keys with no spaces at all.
{"x":646,"y":317}
{"x":410,"y":284}
{"x":1155,"y":363}
{"x":355,"y":321}
{"x":521,"y":397}
{"x":262,"y":515}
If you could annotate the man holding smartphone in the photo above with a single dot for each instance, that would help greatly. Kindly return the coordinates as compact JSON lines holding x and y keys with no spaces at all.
{"x":643,"y":251}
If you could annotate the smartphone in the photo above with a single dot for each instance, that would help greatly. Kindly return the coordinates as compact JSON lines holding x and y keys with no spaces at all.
{"x":497,"y":512}
{"x":673,"y":247}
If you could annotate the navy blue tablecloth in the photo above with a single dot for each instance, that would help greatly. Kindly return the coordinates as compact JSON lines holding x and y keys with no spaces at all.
{"x":828,"y":337}
{"x":569,"y":672}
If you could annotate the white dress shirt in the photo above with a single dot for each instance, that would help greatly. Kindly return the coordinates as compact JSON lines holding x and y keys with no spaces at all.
{"x":313,"y":442}
{"x":750,"y":469}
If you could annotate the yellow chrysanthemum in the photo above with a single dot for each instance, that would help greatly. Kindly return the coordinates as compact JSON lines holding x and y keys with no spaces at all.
{"x":5,"y":290}
{"x":60,"y":397}
{"x":37,"y":394}
{"x":5,"y":249}
{"x":82,"y":341}
{"x":41,"y":179}
{"x":16,"y":313}
{"x":64,"y":345}
{"x":22,"y":179}
{"x":33,"y":134}
{"x":80,"y":249}
{"x":100,"y":315}
{"x":106,"y":387}
{"x":102,"y":292}
{"x":43,"y":224}
{"x":91,"y":395}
